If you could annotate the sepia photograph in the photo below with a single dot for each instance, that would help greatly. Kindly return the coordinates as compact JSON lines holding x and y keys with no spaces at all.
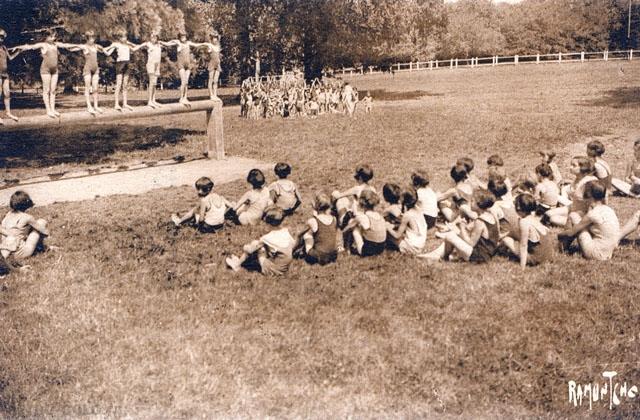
{"x":317,"y":209}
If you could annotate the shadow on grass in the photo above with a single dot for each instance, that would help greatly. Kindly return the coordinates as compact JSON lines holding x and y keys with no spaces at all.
{"x":82,"y":144}
{"x":626,"y":97}
{"x":383,"y":95}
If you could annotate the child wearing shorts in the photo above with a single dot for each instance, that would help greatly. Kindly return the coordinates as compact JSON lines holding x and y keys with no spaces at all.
{"x":22,"y":234}
{"x":209,"y":214}
{"x":283,"y":192}
{"x":272,"y":253}
{"x":251,"y":206}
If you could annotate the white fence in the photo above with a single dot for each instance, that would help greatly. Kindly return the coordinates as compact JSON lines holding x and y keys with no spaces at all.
{"x":454,"y":63}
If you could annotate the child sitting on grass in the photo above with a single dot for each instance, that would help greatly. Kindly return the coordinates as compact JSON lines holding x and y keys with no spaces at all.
{"x":473,"y":180}
{"x":411,"y":235}
{"x":209,"y":214}
{"x":346,"y":201}
{"x":496,"y":170}
{"x":547,"y":157}
{"x":595,"y":150}
{"x":251,"y":206}
{"x":272,"y":252}
{"x":368,"y":227}
{"x":583,"y":169}
{"x":477,"y":242}
{"x":598,"y":232}
{"x":427,"y":198}
{"x":393,"y":211}
{"x":319,"y":244}
{"x":547,"y":194}
{"x":535,"y":243}
{"x":283,"y":192}
{"x":22,"y":234}
{"x":456,"y":201}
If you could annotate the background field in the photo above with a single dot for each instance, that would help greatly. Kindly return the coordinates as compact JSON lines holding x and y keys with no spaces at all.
{"x":133,"y":317}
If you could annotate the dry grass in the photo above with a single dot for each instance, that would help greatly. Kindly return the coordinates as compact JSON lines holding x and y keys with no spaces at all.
{"x":132,"y":317}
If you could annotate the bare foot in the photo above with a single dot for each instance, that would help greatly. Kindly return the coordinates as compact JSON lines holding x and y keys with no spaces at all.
{"x":233,"y":263}
{"x":50,"y":114}
{"x":56,"y":113}
{"x":13,"y":117}
{"x":99,"y":110}
{"x":1,"y":122}
{"x":91,"y":111}
{"x":118,"y":108}
{"x":175,"y":219}
{"x":128,"y":107}
{"x":152,"y":105}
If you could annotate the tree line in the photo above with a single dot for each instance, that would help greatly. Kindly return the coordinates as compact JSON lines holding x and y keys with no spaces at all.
{"x":320,"y":34}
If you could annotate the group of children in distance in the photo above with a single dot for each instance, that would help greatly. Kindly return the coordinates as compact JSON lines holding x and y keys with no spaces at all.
{"x":289,"y":97}
{"x":475,"y":220}
{"x":123,"y":47}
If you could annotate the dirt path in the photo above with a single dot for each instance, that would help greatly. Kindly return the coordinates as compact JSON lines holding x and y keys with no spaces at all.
{"x":136,"y":181}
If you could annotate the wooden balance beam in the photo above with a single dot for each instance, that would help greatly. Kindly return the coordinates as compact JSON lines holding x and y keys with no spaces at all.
{"x":213,"y":109}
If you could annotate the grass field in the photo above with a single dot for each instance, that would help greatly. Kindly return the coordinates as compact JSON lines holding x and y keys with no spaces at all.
{"x":131,"y":317}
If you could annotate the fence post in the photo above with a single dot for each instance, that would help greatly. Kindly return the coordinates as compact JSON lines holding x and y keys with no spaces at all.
{"x":370,"y":69}
{"x":630,"y":54}
{"x":436,"y":63}
{"x":537,"y":58}
{"x":515,"y":59}
{"x":559,"y":57}
{"x":456,"y":63}
{"x":606,"y":55}
{"x":582,"y":57}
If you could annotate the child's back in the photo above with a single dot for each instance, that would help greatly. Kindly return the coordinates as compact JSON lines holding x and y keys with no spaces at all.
{"x":279,"y":250}
{"x":215,"y":207}
{"x":284,"y":192}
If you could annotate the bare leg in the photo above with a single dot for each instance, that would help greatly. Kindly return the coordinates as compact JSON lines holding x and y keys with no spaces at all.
{"x":87,"y":93}
{"x":94,"y":87}
{"x":558,"y":216}
{"x":119,"y":83}
{"x":358,"y":240}
{"x":6,"y":93}
{"x":31,"y":243}
{"x":52,"y":93}
{"x":46,"y":89}
{"x":125,"y":87}
{"x":152,"y":81}
{"x":631,"y":225}
{"x":454,"y":242}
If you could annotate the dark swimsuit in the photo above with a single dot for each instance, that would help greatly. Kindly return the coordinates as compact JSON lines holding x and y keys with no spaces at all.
{"x":184,"y":58}
{"x":50,"y":61}
{"x":4,"y":69}
{"x":91,"y":62}
{"x":214,"y":61}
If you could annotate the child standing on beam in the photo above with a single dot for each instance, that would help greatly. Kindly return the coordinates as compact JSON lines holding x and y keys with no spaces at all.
{"x":185,"y":64}
{"x":123,"y":48}
{"x":48,"y":69}
{"x":5,"y":56}
{"x":154,"y":59}
{"x":213,"y":49}
{"x":91,"y":71}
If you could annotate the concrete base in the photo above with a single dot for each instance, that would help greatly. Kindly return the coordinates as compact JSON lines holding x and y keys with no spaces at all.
{"x":136,"y":181}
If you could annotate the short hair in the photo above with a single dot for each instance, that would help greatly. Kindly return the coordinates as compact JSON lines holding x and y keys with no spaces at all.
{"x":586,"y":164}
{"x":90,"y":34}
{"x":3,"y":32}
{"x":467,"y":162}
{"x":256,"y":178}
{"x":495,"y":160}
{"x":20,"y":201}
{"x":497,"y":172}
{"x":282,"y":169}
{"x":484,"y":199}
{"x":526,"y":203}
{"x":636,"y":143}
{"x":274,"y":216}
{"x":544,"y":170}
{"x":364,"y":173}
{"x":369,"y":200}
{"x":420,"y":179}
{"x":120,"y":32}
{"x":497,"y":187}
{"x":391,"y":193}
{"x":204,"y":184}
{"x":595,"y":147}
{"x":595,"y":190}
{"x":409,"y":198}
{"x":459,"y":172}
{"x":322,"y":201}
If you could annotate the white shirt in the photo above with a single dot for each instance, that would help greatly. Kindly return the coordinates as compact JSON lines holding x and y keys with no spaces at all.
{"x":427,"y":201}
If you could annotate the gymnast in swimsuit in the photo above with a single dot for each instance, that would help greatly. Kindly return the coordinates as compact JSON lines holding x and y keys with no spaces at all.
{"x":91,"y":70}
{"x":123,"y":50}
{"x":5,"y":56}
{"x":185,"y":64}
{"x":48,"y":69}
{"x":213,"y":48}
{"x":154,"y":59}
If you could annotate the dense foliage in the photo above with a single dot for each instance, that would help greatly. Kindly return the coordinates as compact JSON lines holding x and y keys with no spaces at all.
{"x":317,"y":34}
